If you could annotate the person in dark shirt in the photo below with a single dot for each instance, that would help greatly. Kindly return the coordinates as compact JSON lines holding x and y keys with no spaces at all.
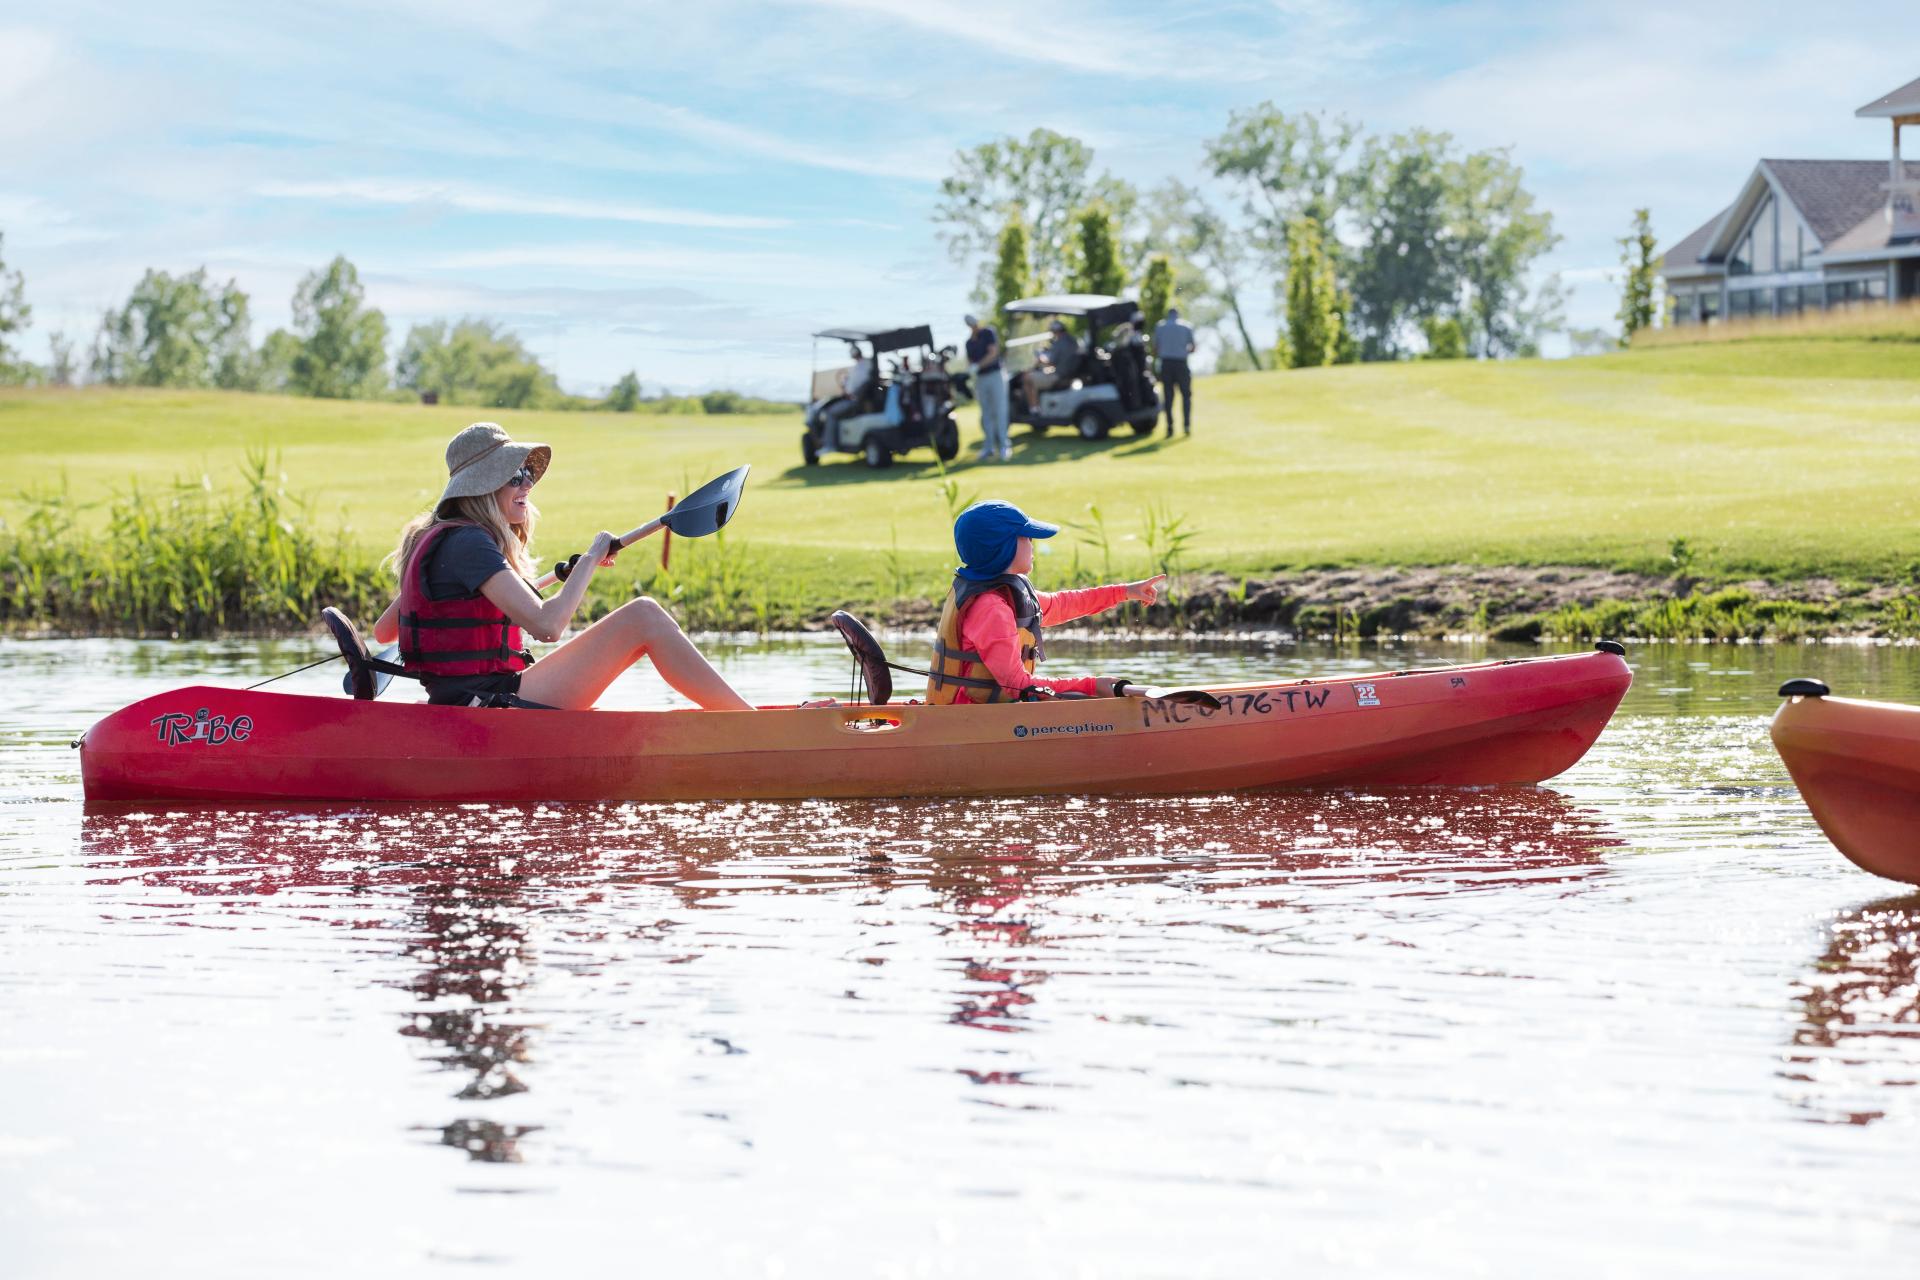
{"x":486,"y":556}
{"x":1056,"y":368}
{"x":1173,"y":343}
{"x":989,"y":389}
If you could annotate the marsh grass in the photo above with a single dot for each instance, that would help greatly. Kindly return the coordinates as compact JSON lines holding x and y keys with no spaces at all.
{"x":186,"y":560}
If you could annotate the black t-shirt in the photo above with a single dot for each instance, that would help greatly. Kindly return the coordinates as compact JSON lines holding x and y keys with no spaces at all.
{"x":462,"y":562}
{"x":977,"y":344}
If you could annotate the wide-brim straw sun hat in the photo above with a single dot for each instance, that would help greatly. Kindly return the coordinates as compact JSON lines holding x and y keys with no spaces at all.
{"x":481,"y":459}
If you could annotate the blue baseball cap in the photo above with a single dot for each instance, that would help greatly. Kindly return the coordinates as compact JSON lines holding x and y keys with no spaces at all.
{"x":988,"y":533}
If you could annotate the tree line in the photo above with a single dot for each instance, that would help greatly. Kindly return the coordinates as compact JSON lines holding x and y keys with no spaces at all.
{"x":192,"y":331}
{"x":1374,"y":248}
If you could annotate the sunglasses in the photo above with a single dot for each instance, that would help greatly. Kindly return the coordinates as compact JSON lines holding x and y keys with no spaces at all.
{"x":522,"y":478}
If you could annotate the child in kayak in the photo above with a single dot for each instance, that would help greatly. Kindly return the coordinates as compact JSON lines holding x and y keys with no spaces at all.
{"x":989,"y":638}
{"x":466,"y":599}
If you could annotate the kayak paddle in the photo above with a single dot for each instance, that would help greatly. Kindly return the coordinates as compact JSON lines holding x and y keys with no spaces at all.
{"x":705,"y":510}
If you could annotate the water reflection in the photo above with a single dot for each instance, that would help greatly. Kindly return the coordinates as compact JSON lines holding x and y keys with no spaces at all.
{"x":455,"y":891}
{"x":1859,"y":1034}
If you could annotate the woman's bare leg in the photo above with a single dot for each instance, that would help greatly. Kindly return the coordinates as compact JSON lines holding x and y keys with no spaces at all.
{"x":579,"y":671}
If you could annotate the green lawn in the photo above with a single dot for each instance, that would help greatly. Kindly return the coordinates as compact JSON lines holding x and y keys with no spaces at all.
{"x":1785,"y":457}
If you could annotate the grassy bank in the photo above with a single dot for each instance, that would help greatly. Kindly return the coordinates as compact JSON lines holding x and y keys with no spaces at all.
{"x":1770,"y":458}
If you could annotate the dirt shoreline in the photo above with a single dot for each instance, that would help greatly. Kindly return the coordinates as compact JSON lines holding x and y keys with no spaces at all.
{"x":1492,"y":601}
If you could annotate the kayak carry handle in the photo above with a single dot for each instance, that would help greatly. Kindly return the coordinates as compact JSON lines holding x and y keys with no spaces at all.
{"x":1804,"y":688}
{"x":1613,"y":647}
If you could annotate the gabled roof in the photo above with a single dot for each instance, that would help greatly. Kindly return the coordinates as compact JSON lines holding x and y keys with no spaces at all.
{"x":1834,"y":195}
{"x":1904,"y":101}
{"x":1684,"y":258}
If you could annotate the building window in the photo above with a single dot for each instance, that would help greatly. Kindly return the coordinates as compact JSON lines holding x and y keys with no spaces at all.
{"x":1766,"y":238}
{"x":1874,"y":288}
{"x":1811,"y":296}
{"x":1709,"y":305}
{"x":1741,"y":261}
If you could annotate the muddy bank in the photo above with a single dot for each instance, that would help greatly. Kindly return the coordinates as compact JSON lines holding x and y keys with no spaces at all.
{"x":1520,"y":603}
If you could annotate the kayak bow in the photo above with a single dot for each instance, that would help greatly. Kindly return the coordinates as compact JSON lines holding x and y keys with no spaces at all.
{"x":1857,"y":764}
{"x":1519,"y":721}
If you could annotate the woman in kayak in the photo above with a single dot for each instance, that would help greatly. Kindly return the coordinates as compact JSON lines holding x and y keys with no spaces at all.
{"x":466,"y":598}
{"x":989,"y":639}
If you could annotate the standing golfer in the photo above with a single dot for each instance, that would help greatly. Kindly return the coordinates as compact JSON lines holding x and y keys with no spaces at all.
{"x":989,"y":388}
{"x":1173,"y":343}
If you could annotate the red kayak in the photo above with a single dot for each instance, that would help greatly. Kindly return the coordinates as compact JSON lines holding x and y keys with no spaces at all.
{"x":1519,"y":721}
{"x":1857,"y":765}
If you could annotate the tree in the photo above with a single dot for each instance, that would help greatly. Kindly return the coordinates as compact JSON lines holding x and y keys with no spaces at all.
{"x":1591,"y":342}
{"x":273,"y":363}
{"x":1446,"y":338}
{"x":1210,"y":259}
{"x":1012,"y":279}
{"x":176,"y":331}
{"x":1403,"y":273}
{"x":1285,"y":168}
{"x":1314,"y":304}
{"x":625,"y":396}
{"x":1637,"y":248}
{"x":1043,"y":180}
{"x":15,"y":316}
{"x":476,"y":361}
{"x":343,"y":344}
{"x":1156,"y":290}
{"x":61,"y":368}
{"x":1093,"y":259}
{"x":1496,"y":234}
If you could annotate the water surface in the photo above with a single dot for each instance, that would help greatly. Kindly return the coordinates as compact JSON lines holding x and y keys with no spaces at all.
{"x":1640,"y":1020}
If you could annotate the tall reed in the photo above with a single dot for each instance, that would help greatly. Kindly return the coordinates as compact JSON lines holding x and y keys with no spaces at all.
{"x":183,"y":561}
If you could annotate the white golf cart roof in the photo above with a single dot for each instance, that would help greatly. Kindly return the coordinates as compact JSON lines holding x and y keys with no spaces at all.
{"x":1100,"y":308}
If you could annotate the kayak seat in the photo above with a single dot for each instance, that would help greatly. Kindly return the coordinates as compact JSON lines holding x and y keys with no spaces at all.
{"x":362,"y":666}
{"x":870,"y":664}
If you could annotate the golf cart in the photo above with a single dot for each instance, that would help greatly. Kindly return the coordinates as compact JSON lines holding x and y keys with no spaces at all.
{"x":1108,"y":386}
{"x":906,"y":404}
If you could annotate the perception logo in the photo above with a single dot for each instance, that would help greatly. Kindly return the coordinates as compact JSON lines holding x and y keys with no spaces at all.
{"x":1051,"y":730}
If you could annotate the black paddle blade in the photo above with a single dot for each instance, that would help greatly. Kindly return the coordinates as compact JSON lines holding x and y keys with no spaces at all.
{"x":708,"y":507}
{"x":867,"y":652}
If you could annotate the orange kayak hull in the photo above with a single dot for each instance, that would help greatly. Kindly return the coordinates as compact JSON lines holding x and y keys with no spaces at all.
{"x":1520,"y":721}
{"x":1857,"y":765}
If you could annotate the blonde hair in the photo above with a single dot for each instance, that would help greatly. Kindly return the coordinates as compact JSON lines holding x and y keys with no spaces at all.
{"x":514,"y":540}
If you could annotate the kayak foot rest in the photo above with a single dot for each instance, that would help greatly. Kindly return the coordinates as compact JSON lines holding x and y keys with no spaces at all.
{"x":363,"y":669}
{"x":870,"y":665}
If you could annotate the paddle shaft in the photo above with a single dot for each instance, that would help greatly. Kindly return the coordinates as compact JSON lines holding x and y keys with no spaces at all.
{"x":1130,"y":690}
{"x":625,"y":540}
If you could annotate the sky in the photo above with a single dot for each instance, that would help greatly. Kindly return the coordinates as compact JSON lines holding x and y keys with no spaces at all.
{"x":689,"y":190}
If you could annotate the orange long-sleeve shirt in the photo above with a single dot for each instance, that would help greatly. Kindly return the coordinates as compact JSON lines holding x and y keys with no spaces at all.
{"x":987,"y":628}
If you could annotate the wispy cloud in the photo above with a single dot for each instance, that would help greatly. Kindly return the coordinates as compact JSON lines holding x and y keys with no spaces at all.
{"x":846,"y":157}
{"x":385,"y":191}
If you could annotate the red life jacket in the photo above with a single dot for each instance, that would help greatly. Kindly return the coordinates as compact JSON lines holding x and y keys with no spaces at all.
{"x":461,"y":637}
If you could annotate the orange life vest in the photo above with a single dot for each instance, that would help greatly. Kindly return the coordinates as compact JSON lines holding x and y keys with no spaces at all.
{"x":955,"y":668}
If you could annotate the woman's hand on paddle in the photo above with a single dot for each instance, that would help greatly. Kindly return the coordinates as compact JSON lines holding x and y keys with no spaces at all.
{"x":1148,"y":591}
{"x":605,"y":547}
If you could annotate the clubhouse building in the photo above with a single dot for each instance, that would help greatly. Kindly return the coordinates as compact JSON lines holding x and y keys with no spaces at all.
{"x":1803,"y":235}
